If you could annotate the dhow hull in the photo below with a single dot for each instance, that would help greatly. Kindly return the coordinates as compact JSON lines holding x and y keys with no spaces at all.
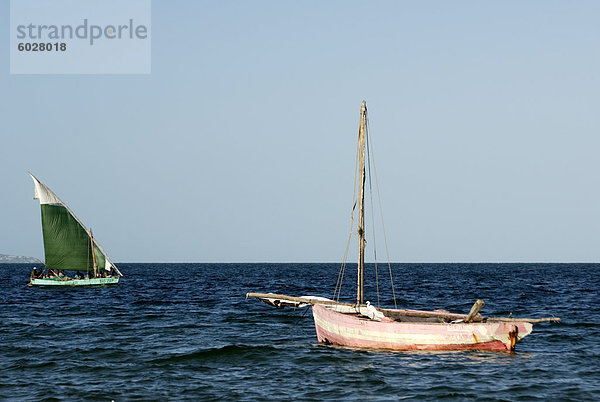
{"x":75,"y":282}
{"x":360,"y":332}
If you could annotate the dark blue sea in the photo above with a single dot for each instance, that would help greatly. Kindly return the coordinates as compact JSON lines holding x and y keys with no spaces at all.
{"x":186,"y":331}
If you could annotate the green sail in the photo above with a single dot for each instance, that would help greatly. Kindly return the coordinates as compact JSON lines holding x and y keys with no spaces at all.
{"x":66,"y":243}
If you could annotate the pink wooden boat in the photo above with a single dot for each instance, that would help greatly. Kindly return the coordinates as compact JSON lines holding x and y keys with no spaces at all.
{"x":361,"y":325}
{"x":362,"y":332}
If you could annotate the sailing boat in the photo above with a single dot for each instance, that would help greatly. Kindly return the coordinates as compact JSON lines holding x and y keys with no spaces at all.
{"x":362,"y":325}
{"x":69,"y":246}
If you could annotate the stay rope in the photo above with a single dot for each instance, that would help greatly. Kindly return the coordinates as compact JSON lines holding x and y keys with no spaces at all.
{"x":372,"y":213}
{"x":338,"y":285}
{"x":296,"y":323}
{"x":382,"y":223}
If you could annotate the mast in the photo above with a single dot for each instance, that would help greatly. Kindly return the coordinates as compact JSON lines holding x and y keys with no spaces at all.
{"x":93,"y":254}
{"x":362,"y":128}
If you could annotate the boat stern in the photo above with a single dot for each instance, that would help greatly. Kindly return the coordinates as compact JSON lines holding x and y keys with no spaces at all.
{"x":509,"y":333}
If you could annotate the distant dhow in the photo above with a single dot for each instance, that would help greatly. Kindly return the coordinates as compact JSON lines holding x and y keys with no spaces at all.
{"x":69,"y":246}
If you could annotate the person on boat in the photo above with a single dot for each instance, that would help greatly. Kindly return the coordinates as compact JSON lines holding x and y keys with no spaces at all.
{"x":37,"y":273}
{"x":61,"y":273}
{"x":51,"y":274}
{"x":109,"y":272}
{"x":78,"y":275}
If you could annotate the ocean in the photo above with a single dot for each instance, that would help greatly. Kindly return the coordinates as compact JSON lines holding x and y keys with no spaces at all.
{"x":186,"y":332}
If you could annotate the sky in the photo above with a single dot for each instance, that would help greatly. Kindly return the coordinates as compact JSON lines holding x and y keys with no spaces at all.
{"x":240,"y":145}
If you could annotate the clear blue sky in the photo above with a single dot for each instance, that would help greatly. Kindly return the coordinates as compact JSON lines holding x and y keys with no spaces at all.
{"x":240,"y":145}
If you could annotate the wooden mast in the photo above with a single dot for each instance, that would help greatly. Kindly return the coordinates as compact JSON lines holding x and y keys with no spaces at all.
{"x":93,"y":255}
{"x":362,"y":128}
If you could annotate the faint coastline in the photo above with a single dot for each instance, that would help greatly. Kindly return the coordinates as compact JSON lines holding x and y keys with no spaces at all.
{"x":18,"y":259}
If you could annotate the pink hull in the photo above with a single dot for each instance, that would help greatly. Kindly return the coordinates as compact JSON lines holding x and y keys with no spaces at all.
{"x":350,"y":330}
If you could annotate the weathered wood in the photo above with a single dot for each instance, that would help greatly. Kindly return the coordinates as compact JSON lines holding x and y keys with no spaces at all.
{"x":93,"y":254}
{"x":362,"y":128}
{"x":391,"y":313}
{"x":531,"y":320}
{"x":474,"y":310}
{"x":355,"y":331}
{"x":297,"y":299}
{"x":399,"y":313}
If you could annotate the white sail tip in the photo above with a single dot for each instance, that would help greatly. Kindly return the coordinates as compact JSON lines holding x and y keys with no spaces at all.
{"x":43,"y":193}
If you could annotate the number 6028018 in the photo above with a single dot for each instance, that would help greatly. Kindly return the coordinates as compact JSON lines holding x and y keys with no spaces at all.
{"x":42,"y":47}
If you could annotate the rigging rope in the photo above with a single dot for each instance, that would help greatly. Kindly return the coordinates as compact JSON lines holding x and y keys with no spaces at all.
{"x":382,"y":224}
{"x":338,"y":285}
{"x":296,"y":323}
{"x":372,"y":213}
